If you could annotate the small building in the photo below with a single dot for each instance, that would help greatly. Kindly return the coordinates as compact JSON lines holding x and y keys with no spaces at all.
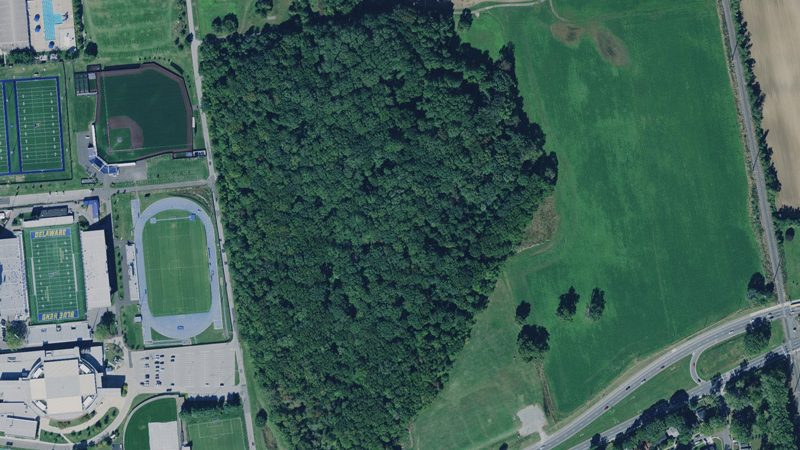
{"x":21,"y":427}
{"x":93,"y":203}
{"x":95,"y":269}
{"x":47,"y":212}
{"x":13,"y":25}
{"x":133,"y":280}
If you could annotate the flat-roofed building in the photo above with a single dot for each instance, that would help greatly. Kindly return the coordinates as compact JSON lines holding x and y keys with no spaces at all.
{"x":49,"y":222}
{"x":13,"y":25}
{"x":164,"y":435}
{"x":22,"y":427}
{"x":13,"y":291}
{"x":95,"y":269}
{"x":64,"y":386}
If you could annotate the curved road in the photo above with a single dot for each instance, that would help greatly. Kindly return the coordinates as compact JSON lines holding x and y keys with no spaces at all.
{"x":701,"y":341}
{"x":180,"y":326}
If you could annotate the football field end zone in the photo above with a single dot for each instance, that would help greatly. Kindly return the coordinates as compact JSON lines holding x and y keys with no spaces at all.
{"x":65,"y":309}
{"x":9,"y":136}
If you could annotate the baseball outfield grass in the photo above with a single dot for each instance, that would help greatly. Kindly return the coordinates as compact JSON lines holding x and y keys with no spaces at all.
{"x":652,"y":195}
{"x":176,"y":264}
{"x":137,"y":435}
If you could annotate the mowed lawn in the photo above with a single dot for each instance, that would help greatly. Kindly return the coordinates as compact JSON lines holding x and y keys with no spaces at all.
{"x":176,"y":264}
{"x":213,"y":433}
{"x":207,"y":10}
{"x":137,"y":435}
{"x":136,"y":28}
{"x":653,"y":203}
{"x":729,"y":354}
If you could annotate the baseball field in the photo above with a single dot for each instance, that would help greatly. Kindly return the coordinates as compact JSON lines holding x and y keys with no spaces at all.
{"x":176,"y":264}
{"x":55,"y":273}
{"x":142,"y":112}
{"x":653,"y":201}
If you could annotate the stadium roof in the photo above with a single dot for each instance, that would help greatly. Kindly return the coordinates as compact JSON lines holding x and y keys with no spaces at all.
{"x":164,"y":436}
{"x":48,"y":222}
{"x":13,"y":295}
{"x":95,"y":269}
{"x":13,"y":25}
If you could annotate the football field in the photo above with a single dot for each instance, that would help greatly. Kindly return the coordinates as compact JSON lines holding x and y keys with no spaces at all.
{"x":225,"y":433}
{"x":176,"y":264}
{"x":55,"y":273}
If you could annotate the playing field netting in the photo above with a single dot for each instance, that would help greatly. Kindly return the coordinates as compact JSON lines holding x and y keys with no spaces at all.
{"x":55,"y":273}
{"x":39,"y":125}
{"x":225,"y":433}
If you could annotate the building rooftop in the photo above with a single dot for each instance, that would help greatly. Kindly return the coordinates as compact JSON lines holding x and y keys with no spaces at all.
{"x":95,"y":269}
{"x":13,"y":25}
{"x":164,"y":436}
{"x":13,"y":292}
{"x":18,"y":426}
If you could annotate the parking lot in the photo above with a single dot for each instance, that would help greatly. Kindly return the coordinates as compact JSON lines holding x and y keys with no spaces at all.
{"x":198,"y":369}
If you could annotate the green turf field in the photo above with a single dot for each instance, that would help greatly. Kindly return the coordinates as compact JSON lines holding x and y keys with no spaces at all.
{"x":39,"y":114}
{"x":137,"y":436}
{"x":653,"y":203}
{"x":155,"y":102}
{"x":142,"y":28}
{"x":55,"y":273}
{"x":176,"y":264}
{"x":727,"y":355}
{"x":218,"y":433}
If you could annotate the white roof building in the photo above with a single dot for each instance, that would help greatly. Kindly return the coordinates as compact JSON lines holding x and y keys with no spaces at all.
{"x":13,"y":292}
{"x":64,"y":386}
{"x":95,"y":269}
{"x":13,"y":25}
{"x":19,"y":426}
{"x":49,"y":221}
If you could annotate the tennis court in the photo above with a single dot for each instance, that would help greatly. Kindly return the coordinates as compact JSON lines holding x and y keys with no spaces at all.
{"x":217,"y":434}
{"x":55,"y":273}
{"x":39,"y":125}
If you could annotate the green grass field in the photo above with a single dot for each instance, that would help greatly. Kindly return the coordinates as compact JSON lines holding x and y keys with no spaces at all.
{"x":207,"y":10}
{"x":176,"y":265}
{"x":55,"y":273}
{"x":729,"y":354}
{"x":653,"y":203}
{"x":137,"y":436}
{"x":155,"y":102}
{"x":791,"y":263}
{"x":218,"y":433}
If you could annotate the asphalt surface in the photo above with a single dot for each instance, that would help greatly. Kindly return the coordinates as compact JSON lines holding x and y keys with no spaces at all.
{"x":701,"y":341}
{"x":179,"y":326}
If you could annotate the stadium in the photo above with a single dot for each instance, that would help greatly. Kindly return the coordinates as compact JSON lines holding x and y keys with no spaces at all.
{"x":61,"y":270}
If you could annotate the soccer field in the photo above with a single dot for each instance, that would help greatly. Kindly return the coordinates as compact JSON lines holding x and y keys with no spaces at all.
{"x":176,"y":264}
{"x":218,"y":434}
{"x":55,"y":273}
{"x":31,"y":135}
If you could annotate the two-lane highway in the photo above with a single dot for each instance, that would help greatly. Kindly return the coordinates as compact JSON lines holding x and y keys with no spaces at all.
{"x":703,"y":340}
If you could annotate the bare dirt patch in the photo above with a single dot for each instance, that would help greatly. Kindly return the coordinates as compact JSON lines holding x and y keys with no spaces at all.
{"x":775,"y":31}
{"x":121,"y":122}
{"x":543,"y":226}
{"x":533,"y":421}
{"x":610,"y":47}
{"x":567,"y":33}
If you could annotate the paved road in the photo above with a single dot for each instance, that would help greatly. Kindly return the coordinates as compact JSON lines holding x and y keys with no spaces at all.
{"x":702,"y":389}
{"x":764,"y":207}
{"x":198,"y":84}
{"x":673,"y":355}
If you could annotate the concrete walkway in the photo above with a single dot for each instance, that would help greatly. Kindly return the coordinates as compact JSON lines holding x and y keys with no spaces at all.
{"x":180,"y":327}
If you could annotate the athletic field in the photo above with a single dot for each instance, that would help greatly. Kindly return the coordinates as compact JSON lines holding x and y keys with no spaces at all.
{"x":142,"y":112}
{"x":31,"y":135}
{"x":217,"y":434}
{"x":176,"y":264}
{"x":55,"y":273}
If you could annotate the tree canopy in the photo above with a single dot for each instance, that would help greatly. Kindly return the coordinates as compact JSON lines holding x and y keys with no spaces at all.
{"x":374,"y":174}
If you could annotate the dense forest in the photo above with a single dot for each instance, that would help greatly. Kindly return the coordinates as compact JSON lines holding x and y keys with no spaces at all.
{"x":375,"y":172}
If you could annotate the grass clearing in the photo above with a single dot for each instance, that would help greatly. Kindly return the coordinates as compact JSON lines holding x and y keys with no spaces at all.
{"x":176,"y":264}
{"x":727,"y":355}
{"x":652,"y":184}
{"x":137,"y":435}
{"x":207,"y":10}
{"x":132,"y":331}
{"x":55,"y":273}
